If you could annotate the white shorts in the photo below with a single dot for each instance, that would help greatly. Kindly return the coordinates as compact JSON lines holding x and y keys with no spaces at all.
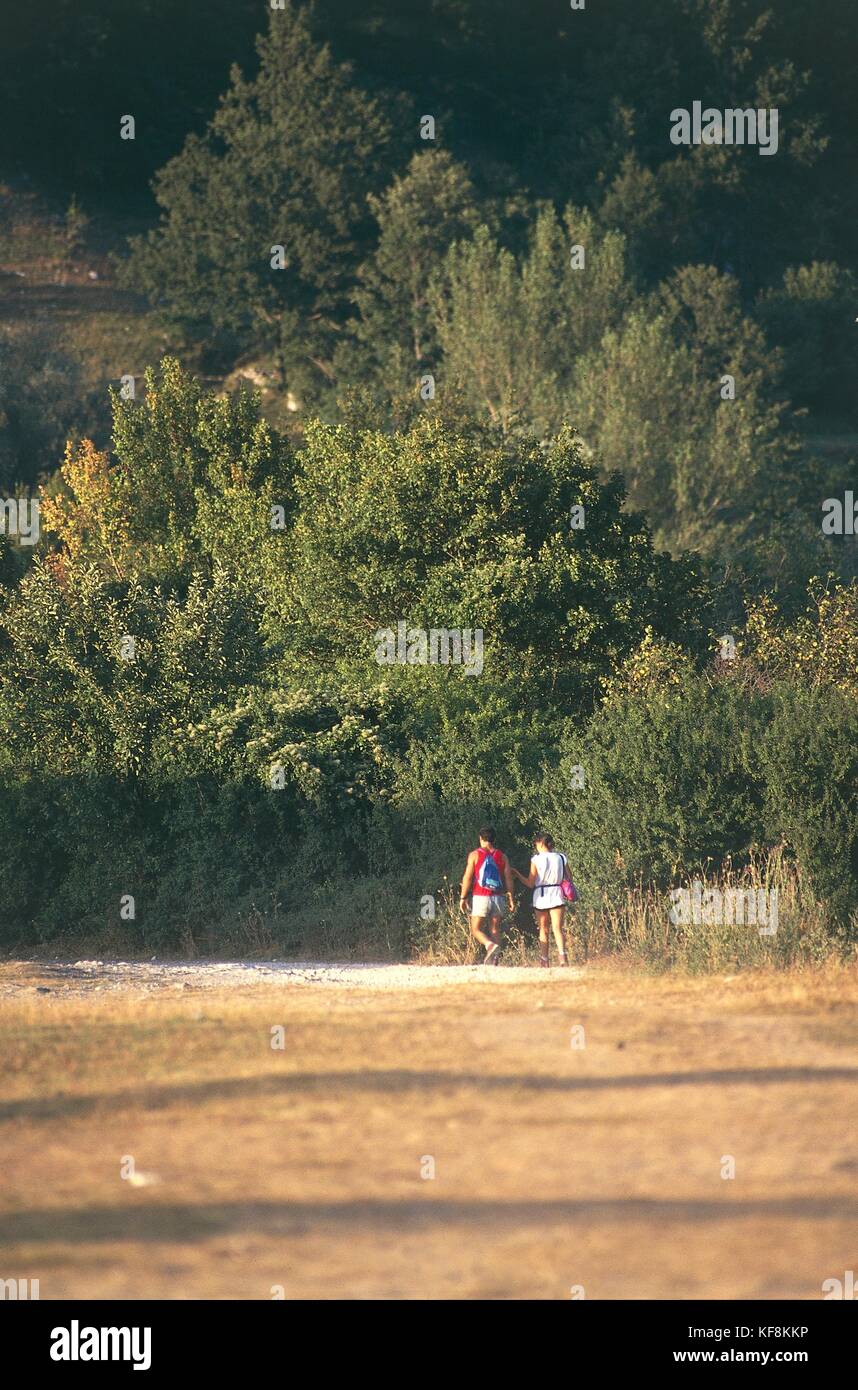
{"x":488,"y":905}
{"x":545,"y":898}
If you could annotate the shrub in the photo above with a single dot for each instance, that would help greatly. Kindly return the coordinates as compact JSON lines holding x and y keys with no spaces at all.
{"x":667,"y":786}
{"x":809,"y":758}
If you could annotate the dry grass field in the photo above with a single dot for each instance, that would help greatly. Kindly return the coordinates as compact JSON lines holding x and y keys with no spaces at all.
{"x":556,"y":1166}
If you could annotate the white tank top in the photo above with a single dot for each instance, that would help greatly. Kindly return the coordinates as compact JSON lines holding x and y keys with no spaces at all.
{"x":551,"y":871}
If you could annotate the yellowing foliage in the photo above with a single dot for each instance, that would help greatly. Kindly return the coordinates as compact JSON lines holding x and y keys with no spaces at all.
{"x":90,"y":517}
{"x":819,"y":648}
{"x":654,"y":667}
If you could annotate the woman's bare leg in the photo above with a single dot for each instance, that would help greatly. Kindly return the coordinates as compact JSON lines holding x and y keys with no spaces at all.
{"x":557,"y":918}
{"x":543,"y":920}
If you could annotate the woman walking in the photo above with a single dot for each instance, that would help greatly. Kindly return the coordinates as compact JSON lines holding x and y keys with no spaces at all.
{"x":547,"y":874}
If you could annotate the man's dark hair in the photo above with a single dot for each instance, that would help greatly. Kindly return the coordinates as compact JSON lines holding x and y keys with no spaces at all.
{"x":487,"y":833}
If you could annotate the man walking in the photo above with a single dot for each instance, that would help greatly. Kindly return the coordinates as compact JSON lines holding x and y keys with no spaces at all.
{"x":487,"y":872}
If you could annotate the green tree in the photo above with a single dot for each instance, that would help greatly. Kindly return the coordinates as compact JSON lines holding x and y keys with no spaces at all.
{"x":287,"y":160}
{"x":455,"y":529}
{"x":193,"y":478}
{"x":97,"y":674}
{"x":418,"y":216}
{"x":685,"y":399}
{"x":511,"y":330}
{"x":720,"y":204}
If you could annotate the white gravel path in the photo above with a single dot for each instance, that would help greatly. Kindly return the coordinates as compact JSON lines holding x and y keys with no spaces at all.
{"x":86,"y":976}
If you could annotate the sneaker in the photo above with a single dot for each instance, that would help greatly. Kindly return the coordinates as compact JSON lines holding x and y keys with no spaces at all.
{"x":543,"y":962}
{"x":492,"y":953}
{"x":563,"y":960}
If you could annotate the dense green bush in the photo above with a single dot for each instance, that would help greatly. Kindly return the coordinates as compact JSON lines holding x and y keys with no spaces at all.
{"x":809,"y":760}
{"x":690,"y":772}
{"x":668,"y":785}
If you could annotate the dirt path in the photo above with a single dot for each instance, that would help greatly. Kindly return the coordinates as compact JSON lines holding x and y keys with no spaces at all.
{"x":85,"y":976}
{"x":383,"y":1131}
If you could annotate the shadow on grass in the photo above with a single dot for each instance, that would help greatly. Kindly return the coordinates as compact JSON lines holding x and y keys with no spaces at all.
{"x":402,"y":1081}
{"x":177,"y":1222}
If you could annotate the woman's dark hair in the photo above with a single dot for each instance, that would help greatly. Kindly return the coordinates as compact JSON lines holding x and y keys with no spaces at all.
{"x":543,"y":838}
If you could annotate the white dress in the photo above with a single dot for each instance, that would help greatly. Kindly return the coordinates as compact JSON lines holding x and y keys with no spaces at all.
{"x":550,"y":870}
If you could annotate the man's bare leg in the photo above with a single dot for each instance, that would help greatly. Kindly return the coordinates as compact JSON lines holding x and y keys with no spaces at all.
{"x":477,"y":931}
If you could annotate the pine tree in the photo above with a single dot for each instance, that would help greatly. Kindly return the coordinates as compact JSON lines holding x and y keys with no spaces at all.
{"x":287,"y":161}
{"x":419,"y":216}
